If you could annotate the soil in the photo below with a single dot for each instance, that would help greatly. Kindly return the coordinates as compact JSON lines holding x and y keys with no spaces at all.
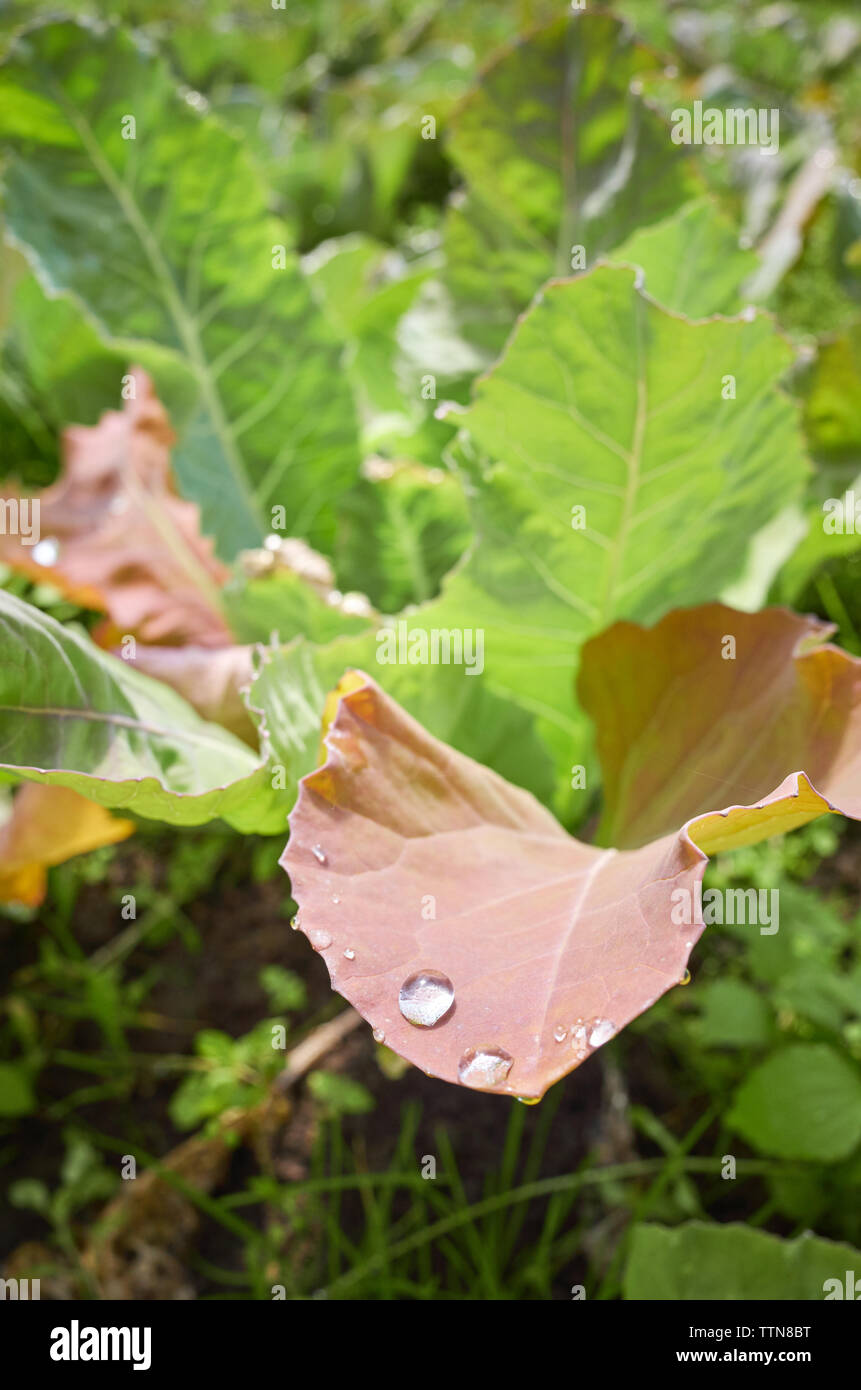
{"x":243,"y":927}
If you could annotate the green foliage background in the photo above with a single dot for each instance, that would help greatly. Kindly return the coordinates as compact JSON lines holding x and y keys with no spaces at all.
{"x":296,"y":136}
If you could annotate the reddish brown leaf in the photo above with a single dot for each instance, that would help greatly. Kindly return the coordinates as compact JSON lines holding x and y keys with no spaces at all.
{"x":682,"y":731}
{"x":125,"y":542}
{"x":407,"y":857}
{"x":536,"y":932}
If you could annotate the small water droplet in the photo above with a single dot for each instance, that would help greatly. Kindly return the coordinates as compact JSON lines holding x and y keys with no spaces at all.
{"x":319,"y":854}
{"x":320,"y":940}
{"x":484,"y":1066}
{"x":294,"y":922}
{"x":528,"y":1100}
{"x":426,"y":997}
{"x":46,"y":552}
{"x":349,"y":954}
{"x":336,"y":899}
{"x":602,"y":1031}
{"x":686,"y":978}
{"x":379,"y":1035}
{"x":560,"y":1033}
{"x":578,"y":1039}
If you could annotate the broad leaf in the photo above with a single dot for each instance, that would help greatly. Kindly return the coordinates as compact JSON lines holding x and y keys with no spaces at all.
{"x":73,"y":716}
{"x":558,"y":150}
{"x":289,"y":697}
{"x":615,"y":478}
{"x":166,"y":237}
{"x":406,"y":857}
{"x":715,"y":707}
{"x":115,"y":536}
{"x":803,"y":1102}
{"x":48,"y":825}
{"x":702,"y":1261}
{"x":692,"y":262}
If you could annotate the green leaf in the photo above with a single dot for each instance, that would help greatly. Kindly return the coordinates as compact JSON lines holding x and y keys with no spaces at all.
{"x":74,"y":716}
{"x":557,"y":151}
{"x":700,"y":1261}
{"x":401,"y":532}
{"x":803,"y":1102}
{"x":16,"y":1091}
{"x":604,"y":401}
{"x":285,"y":604}
{"x":733,"y":1015}
{"x":692,"y":262}
{"x":292,"y":684}
{"x":286,"y":989}
{"x":55,"y":370}
{"x":340,"y":1094}
{"x":166,"y":239}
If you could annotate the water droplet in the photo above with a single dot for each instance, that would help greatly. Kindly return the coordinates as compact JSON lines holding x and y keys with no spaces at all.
{"x":528,"y":1100}
{"x":484,"y":1066}
{"x":320,"y":940}
{"x":379,"y":1035}
{"x":319,"y":854}
{"x":560,"y":1033}
{"x":686,"y":978}
{"x":602,"y":1031}
{"x":46,"y":552}
{"x":578,"y":1039}
{"x":294,"y":922}
{"x":349,"y":954}
{"x":426,"y":997}
{"x":336,"y":899}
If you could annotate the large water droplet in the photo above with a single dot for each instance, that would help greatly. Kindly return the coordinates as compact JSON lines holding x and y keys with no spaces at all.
{"x":484,"y":1066}
{"x":686,"y":978}
{"x":319,"y":854}
{"x":320,"y":940}
{"x":602,"y":1031}
{"x":425,"y":997}
{"x":379,"y":1035}
{"x":294,"y":922}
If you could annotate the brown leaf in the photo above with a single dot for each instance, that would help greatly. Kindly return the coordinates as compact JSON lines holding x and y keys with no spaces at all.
{"x":406,"y":857}
{"x":126,"y":543}
{"x":682,"y":730}
{"x":49,"y":825}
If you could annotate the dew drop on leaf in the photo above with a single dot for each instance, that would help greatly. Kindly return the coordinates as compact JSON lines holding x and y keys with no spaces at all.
{"x":379,"y":1035}
{"x":319,"y":854}
{"x":349,"y":954}
{"x":602,"y":1031}
{"x":484,"y":1066}
{"x":686,"y":978}
{"x":560,"y":1033}
{"x":426,"y":997}
{"x":320,"y":940}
